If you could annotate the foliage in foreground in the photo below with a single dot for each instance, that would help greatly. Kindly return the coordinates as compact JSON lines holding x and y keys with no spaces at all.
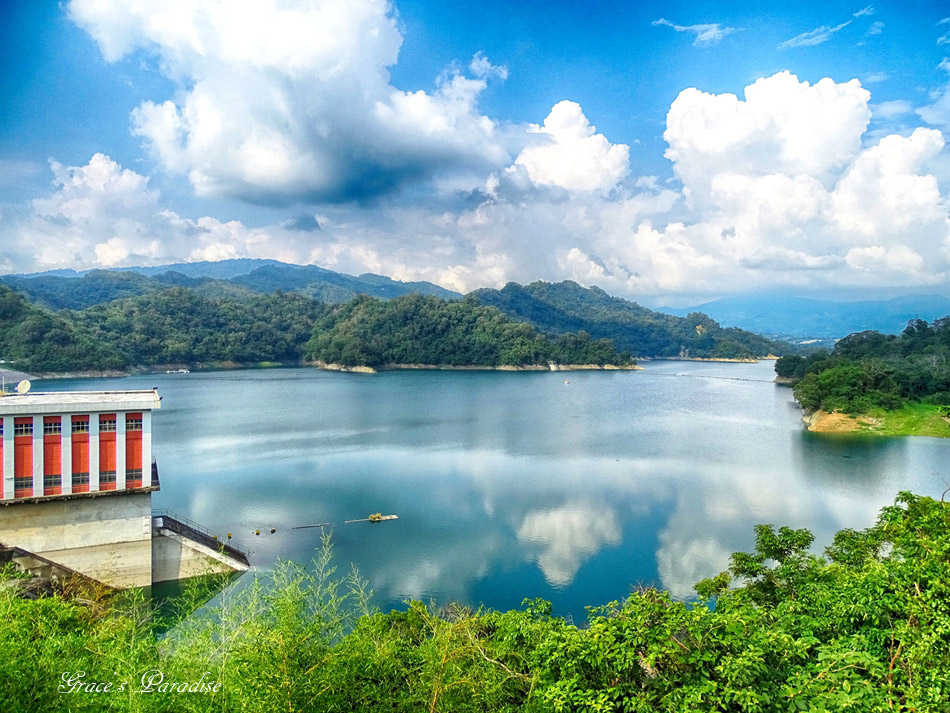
{"x":864,"y":628}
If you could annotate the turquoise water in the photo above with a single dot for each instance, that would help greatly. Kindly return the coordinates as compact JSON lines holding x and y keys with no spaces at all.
{"x":513,"y":485}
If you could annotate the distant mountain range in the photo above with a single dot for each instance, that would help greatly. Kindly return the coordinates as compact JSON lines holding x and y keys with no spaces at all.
{"x":240,"y":278}
{"x":726,"y":328}
{"x":553,"y":309}
{"x":803,"y":317}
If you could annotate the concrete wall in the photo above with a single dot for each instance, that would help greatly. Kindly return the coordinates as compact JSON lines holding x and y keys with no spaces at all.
{"x":177,"y":557}
{"x":106,"y":537}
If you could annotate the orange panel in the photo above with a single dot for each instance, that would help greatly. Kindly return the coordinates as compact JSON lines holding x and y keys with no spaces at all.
{"x":23,"y":464}
{"x":81,"y":459}
{"x":106,"y":451}
{"x":106,"y":459}
{"x":23,"y":458}
{"x":133,"y":458}
{"x":133,"y":450}
{"x":52,"y":455}
{"x":52,"y":463}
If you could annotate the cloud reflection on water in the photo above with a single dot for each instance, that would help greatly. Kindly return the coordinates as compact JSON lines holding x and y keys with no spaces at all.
{"x":515,"y":485}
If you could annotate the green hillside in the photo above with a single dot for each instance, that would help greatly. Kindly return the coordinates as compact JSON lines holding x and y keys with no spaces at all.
{"x":179,"y":325}
{"x":567,"y":307}
{"x":418,"y":329}
{"x":32,"y":337}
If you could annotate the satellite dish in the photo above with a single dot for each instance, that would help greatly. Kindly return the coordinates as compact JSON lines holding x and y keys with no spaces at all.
{"x":23,"y":387}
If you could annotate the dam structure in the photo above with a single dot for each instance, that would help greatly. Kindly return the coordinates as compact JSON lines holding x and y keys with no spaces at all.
{"x":76,"y":481}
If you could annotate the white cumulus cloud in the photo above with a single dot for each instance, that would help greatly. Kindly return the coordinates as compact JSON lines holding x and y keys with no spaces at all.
{"x":782,"y":126}
{"x":780,"y":185}
{"x":291,"y":99}
{"x":102,"y":215}
{"x":573,"y":156}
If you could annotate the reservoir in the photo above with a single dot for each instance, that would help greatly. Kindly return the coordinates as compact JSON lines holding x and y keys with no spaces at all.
{"x":569,"y":486}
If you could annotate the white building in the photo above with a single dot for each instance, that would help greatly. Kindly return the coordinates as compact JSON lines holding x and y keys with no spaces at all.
{"x":77,"y":478}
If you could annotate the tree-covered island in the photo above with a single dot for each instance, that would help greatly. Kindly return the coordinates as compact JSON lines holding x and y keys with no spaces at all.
{"x":877,"y":383}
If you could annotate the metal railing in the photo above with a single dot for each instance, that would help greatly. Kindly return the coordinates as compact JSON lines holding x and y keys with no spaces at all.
{"x":188,"y":528}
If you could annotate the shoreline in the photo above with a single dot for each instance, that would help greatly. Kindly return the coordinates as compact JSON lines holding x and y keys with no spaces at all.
{"x":473,"y":367}
{"x":726,"y":360}
{"x":235,"y":366}
{"x":917,"y":419}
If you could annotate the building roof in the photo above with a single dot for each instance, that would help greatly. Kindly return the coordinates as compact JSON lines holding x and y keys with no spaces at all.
{"x":51,"y":402}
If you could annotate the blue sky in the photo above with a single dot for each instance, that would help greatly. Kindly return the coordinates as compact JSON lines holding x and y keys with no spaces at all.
{"x":410,"y":139}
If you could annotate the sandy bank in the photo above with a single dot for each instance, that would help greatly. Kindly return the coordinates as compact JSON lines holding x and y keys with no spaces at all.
{"x":754,"y":360}
{"x":12,"y":377}
{"x":597,"y":367}
{"x":159,"y":369}
{"x":913,"y":419}
{"x":835,"y":422}
{"x":476,"y":367}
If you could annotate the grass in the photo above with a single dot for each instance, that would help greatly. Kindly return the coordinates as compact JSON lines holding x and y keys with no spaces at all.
{"x":914,"y":419}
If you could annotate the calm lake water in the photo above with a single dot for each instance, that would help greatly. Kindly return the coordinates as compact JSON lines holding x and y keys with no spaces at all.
{"x":514,"y":485}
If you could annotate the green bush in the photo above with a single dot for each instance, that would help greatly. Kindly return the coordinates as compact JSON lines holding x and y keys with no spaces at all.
{"x":866,"y":627}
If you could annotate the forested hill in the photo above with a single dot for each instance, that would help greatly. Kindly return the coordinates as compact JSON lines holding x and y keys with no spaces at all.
{"x":174,"y":325}
{"x":567,"y":307}
{"x":101,"y":286}
{"x":179,"y":325}
{"x":869,"y":370}
{"x":34,"y":338}
{"x":551,"y":308}
{"x":419,"y":329}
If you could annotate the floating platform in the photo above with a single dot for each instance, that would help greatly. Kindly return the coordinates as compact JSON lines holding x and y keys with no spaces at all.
{"x":375,"y":517}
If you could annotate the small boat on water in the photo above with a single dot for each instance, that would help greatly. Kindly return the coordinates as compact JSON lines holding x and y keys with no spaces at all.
{"x":178,"y":371}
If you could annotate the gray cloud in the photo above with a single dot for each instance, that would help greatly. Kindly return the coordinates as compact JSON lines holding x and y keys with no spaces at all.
{"x":305,"y":223}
